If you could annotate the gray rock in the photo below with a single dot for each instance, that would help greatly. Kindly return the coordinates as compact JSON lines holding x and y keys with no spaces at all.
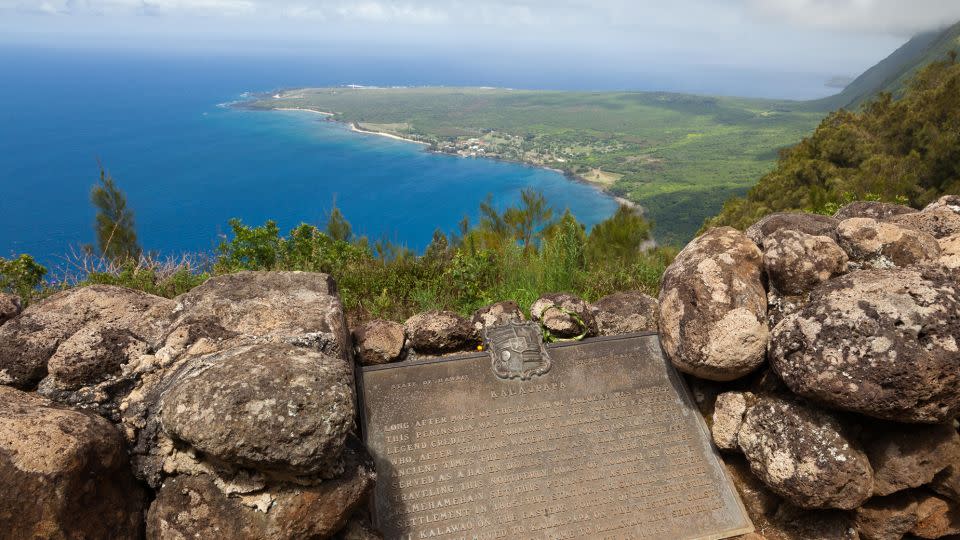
{"x":950,"y":253}
{"x":195,"y":507}
{"x":909,"y":456}
{"x":378,"y":342}
{"x":495,"y":315}
{"x":301,"y":308}
{"x":887,"y":518}
{"x":812,"y":224}
{"x":936,"y":517}
{"x":728,"y":413}
{"x":439,"y":332}
{"x":272,"y":407}
{"x":713,"y":307}
{"x":10,"y":307}
{"x":938,"y":222}
{"x":63,"y":474}
{"x":950,"y":202}
{"x":797,"y":262}
{"x":564,"y":315}
{"x":881,"y":343}
{"x":872,"y":210}
{"x":28,"y":341}
{"x":805,"y":456}
{"x":884,"y":245}
{"x":625,"y":313}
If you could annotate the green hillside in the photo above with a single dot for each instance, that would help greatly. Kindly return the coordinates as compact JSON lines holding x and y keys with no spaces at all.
{"x":678,"y":156}
{"x":893,"y":73}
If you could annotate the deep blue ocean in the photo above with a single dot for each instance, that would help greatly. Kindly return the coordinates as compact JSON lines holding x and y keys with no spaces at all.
{"x":188,"y":163}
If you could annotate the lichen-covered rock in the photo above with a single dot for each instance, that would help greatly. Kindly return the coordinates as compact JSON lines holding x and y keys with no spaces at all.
{"x":728,"y":413}
{"x":938,"y":222}
{"x":936,"y":517}
{"x":439,"y":332}
{"x":713,"y":307}
{"x":883,"y":245}
{"x":950,"y":252}
{"x":625,"y":313}
{"x":805,"y":456}
{"x":909,"y":456}
{"x":564,"y":315}
{"x":91,"y":355}
{"x":797,"y":262}
{"x":872,"y":209}
{"x":378,"y":342}
{"x":877,"y":342}
{"x":812,"y":224}
{"x":887,"y":518}
{"x":950,"y":202}
{"x":947,"y":482}
{"x":301,"y":308}
{"x":496,"y":315}
{"x":63,"y":474}
{"x":269,"y":407}
{"x":195,"y":507}
{"x":10,"y":307}
{"x":28,"y":341}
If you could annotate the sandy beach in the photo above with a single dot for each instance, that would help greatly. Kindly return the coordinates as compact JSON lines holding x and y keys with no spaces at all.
{"x":356,"y":128}
{"x":324,"y":113}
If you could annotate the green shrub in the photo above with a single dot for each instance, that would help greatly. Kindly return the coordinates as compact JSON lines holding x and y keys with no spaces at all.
{"x":22,"y":276}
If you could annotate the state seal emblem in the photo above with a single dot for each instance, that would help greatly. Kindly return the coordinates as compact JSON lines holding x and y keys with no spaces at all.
{"x":517,"y":350}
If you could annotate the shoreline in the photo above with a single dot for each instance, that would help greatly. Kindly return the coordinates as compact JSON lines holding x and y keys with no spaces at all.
{"x":355,"y":127}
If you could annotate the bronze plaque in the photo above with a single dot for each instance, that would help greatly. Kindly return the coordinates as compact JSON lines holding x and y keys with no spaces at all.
{"x":606,"y":444}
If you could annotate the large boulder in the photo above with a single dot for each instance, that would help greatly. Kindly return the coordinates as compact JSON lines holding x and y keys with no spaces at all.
{"x":269,"y":407}
{"x":10,"y":307}
{"x":495,"y":315}
{"x":625,"y":313}
{"x":812,"y":224}
{"x":907,"y":456}
{"x":805,"y":455}
{"x":881,"y":343}
{"x":29,"y":341}
{"x":887,"y":518}
{"x":872,"y":209}
{"x":301,"y":308}
{"x":63,"y":474}
{"x":937,"y":222}
{"x":378,"y":342}
{"x":797,"y":262}
{"x":564,"y":315}
{"x":884,"y":245}
{"x":439,"y":332}
{"x":713,"y":307}
{"x":196,"y":507}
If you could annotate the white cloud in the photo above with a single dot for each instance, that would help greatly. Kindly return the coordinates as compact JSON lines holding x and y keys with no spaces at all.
{"x":902,"y":17}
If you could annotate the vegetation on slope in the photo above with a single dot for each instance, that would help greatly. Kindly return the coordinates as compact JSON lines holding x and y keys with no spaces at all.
{"x":905,"y":150}
{"x":679,"y":156}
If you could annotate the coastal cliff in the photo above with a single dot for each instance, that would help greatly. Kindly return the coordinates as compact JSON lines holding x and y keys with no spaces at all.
{"x":821,"y":351}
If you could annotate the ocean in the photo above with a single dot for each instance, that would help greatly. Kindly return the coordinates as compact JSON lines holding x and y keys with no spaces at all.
{"x":188,"y":162}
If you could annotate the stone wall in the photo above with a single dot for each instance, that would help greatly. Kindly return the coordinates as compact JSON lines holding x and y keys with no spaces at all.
{"x":821,"y":350}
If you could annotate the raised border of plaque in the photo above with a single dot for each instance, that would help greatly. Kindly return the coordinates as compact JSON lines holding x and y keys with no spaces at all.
{"x":606,"y":445}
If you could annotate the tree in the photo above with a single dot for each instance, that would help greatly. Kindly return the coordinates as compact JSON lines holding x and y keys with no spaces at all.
{"x":21,"y":276}
{"x":338,"y":227}
{"x":529,"y":219}
{"x":619,"y":238}
{"x":114,"y":226}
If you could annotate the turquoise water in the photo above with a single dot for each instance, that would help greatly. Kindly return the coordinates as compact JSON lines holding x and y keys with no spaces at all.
{"x":188,"y":164}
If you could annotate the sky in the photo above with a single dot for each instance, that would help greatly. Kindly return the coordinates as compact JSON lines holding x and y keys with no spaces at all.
{"x":838,"y":37}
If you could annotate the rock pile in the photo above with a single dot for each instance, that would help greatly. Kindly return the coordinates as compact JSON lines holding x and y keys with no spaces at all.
{"x":832,"y":344}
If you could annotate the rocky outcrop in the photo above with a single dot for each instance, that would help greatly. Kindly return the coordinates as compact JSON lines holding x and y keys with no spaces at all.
{"x":877,"y":342}
{"x":73,"y":320}
{"x":564,"y":316}
{"x":796,"y":262}
{"x":378,"y":342}
{"x":811,"y":224}
{"x":881,"y":244}
{"x":63,"y":474}
{"x":937,"y":222}
{"x":909,"y":456}
{"x":872,"y":209}
{"x":713,"y":307}
{"x":439,"y":332}
{"x":495,"y":315}
{"x":10,"y":307}
{"x":625,"y":313}
{"x":950,"y":253}
{"x":805,"y":456}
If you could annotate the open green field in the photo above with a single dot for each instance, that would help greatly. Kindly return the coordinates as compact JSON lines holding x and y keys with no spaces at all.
{"x":679,"y":156}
